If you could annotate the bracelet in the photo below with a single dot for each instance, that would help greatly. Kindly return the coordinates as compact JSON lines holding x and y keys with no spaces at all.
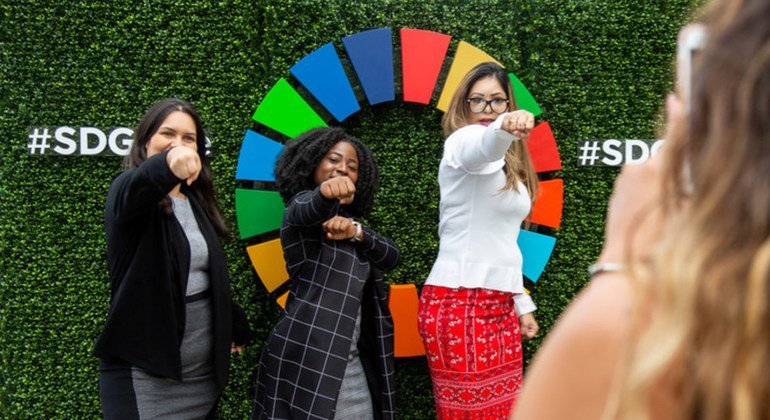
{"x":359,"y":235}
{"x":605,"y":267}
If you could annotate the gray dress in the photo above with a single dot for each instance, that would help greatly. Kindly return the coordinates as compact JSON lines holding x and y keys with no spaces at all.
{"x":355,"y":400}
{"x":195,"y":395}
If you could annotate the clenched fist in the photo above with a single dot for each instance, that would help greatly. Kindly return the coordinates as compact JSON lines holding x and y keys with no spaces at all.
{"x":519,"y":123}
{"x":338,"y":228}
{"x":528,"y":325}
{"x":340,"y":187}
{"x":185,"y":163}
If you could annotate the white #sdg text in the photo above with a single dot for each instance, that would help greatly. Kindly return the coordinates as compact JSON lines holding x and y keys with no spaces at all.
{"x":83,"y":141}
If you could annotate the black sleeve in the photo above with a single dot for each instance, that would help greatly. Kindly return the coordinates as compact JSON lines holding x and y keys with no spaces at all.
{"x":136,"y":191}
{"x":242,"y":332}
{"x":380,"y":250}
{"x":308,"y":208}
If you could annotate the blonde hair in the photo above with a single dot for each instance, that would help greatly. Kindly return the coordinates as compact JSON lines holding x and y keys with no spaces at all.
{"x":703,"y":320}
{"x":518,"y":164}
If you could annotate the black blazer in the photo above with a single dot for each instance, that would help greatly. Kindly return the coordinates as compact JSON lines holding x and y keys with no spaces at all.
{"x":305,"y":356}
{"x":148,"y":257}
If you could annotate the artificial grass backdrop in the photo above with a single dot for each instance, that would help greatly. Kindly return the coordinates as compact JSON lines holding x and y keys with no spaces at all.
{"x":599,"y":69}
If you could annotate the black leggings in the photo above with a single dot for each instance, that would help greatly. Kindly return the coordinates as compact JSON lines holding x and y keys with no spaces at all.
{"x":116,"y":390}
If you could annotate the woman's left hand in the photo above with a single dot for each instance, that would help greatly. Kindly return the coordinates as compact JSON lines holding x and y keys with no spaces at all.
{"x":528,"y":326}
{"x":339,"y":228}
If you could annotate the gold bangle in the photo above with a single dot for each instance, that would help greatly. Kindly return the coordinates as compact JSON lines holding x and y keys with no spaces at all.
{"x":605,"y":267}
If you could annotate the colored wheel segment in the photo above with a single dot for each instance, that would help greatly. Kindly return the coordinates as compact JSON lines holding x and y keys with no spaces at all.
{"x":285,"y":111}
{"x":257,"y":158}
{"x":422,"y":56}
{"x":371,"y":53}
{"x":322,"y":74}
{"x":257,"y":211}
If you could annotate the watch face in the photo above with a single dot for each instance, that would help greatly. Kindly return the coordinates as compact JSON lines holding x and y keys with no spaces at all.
{"x":359,"y":232}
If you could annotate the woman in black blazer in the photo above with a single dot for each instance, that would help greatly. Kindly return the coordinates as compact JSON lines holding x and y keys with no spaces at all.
{"x":331,"y":354}
{"x":172,"y":324}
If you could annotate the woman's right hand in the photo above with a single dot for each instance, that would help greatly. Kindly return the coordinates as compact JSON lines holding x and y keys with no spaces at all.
{"x":519,"y":123}
{"x":185,"y":163}
{"x":635,"y":213}
{"x":340,"y":187}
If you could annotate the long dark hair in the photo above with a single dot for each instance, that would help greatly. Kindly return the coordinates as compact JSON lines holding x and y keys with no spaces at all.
{"x":296,"y":166}
{"x":203,"y":187}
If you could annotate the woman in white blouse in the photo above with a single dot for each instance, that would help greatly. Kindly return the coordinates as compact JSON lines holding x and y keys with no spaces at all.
{"x":473,"y":308}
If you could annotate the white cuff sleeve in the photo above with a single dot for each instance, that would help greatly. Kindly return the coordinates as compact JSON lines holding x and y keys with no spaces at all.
{"x":524,"y":304}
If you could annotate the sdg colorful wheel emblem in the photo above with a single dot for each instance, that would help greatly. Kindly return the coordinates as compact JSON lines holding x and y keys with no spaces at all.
{"x":284,"y":110}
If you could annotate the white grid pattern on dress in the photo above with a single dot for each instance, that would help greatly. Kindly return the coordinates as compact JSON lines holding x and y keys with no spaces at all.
{"x":304,"y":359}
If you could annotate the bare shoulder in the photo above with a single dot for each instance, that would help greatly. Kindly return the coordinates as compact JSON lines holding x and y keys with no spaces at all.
{"x":572,"y":372}
{"x":595,"y":322}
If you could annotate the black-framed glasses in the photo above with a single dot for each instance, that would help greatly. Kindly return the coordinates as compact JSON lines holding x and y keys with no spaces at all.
{"x":478,"y":105}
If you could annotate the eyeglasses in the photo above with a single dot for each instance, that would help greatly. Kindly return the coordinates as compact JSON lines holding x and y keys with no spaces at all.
{"x":478,"y":105}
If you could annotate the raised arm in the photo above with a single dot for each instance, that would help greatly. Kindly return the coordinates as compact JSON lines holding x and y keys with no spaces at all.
{"x":379,"y":250}
{"x":474,"y":146}
{"x":309,"y":208}
{"x":136,"y":191}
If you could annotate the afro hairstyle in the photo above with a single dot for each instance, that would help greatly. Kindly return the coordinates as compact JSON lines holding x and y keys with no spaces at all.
{"x":295,"y":167}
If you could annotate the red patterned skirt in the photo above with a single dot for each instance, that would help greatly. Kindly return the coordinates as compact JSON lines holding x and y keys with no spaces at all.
{"x":473,"y":344}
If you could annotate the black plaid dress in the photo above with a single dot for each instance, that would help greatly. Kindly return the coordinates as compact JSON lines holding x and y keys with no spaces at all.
{"x":304,"y":359}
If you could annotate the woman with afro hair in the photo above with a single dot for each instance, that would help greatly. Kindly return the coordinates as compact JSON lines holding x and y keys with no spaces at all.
{"x":331,"y":354}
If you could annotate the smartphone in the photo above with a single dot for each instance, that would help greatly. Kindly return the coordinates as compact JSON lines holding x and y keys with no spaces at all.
{"x":690,"y":42}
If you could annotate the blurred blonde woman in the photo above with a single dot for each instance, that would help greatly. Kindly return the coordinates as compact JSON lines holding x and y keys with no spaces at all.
{"x":679,"y":306}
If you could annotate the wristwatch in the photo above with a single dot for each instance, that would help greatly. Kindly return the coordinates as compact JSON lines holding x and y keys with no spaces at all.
{"x":359,"y":235}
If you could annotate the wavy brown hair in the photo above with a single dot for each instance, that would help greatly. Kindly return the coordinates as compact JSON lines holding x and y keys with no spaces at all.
{"x":518,"y":164}
{"x":703,"y":322}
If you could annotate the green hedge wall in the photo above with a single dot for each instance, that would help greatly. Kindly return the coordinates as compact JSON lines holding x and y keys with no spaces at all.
{"x":599,"y":69}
